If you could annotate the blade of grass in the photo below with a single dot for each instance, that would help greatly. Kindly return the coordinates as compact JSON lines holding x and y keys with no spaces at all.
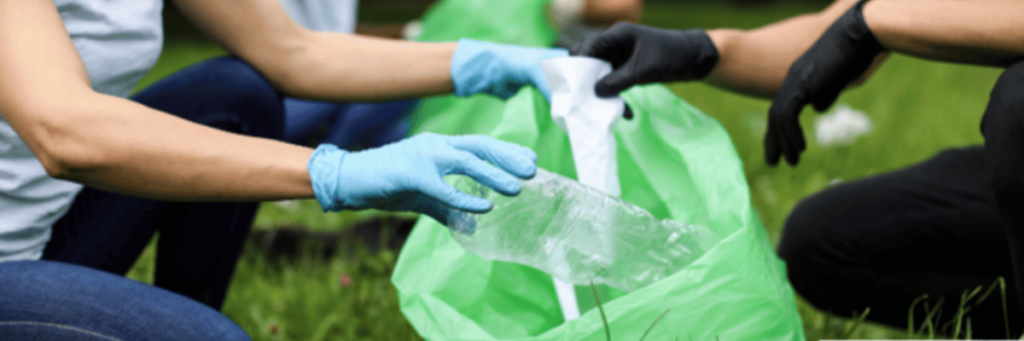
{"x":325,"y":326}
{"x":911,"y":330}
{"x":932,"y":314}
{"x":968,"y":336}
{"x":642,"y":337}
{"x":1006,"y":315}
{"x":935,"y":326}
{"x":607,"y":330}
{"x":856,"y":324}
{"x":964,"y":298}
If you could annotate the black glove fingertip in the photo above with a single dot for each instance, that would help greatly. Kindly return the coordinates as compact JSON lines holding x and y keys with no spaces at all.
{"x":792,"y":157}
{"x":771,"y":158}
{"x":603,"y":89}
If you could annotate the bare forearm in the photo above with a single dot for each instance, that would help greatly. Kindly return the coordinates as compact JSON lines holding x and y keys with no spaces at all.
{"x":608,"y":12}
{"x":342,"y":67}
{"x":755,"y":62}
{"x":121,"y":146}
{"x":974,"y":32}
{"x":318,"y":65}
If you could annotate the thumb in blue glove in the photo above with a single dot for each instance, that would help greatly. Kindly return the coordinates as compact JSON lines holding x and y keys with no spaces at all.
{"x":408,"y":175}
{"x":499,"y":70}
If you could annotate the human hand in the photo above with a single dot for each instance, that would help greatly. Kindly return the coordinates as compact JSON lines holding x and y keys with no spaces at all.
{"x":498,"y":69}
{"x":843,"y":53}
{"x":408,"y":175}
{"x":642,"y":54}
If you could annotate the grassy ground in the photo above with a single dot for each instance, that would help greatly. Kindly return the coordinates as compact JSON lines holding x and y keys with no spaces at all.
{"x":918,"y":108}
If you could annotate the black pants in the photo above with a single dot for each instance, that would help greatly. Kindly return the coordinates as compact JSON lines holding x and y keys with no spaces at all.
{"x":199,"y":242}
{"x":946,"y":225}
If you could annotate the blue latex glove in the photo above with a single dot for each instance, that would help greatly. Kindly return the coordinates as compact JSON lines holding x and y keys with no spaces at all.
{"x":499,"y":70}
{"x":407,"y":175}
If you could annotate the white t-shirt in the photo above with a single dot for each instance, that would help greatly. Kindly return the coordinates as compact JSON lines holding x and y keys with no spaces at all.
{"x":324,"y":15}
{"x":119,"y":41}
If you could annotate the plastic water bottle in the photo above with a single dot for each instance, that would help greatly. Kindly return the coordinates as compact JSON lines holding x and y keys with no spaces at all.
{"x":578,"y":234}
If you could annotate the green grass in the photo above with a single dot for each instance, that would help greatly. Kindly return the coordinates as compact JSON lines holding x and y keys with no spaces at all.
{"x":918,"y":109}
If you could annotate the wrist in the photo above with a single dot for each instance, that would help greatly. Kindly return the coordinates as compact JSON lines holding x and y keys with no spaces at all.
{"x":325,"y":165}
{"x":497,"y":69}
{"x":701,"y":52}
{"x":859,"y":30}
{"x":724,"y":39}
{"x":472,"y":67}
{"x":876,"y":15}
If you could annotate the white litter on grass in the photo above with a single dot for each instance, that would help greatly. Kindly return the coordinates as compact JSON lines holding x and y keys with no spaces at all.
{"x":834,"y":182}
{"x":841,"y":126}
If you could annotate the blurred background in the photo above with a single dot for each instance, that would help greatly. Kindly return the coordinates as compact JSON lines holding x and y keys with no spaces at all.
{"x":307,"y":275}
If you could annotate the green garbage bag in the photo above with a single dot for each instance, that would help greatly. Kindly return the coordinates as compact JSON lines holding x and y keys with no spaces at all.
{"x":520,"y":22}
{"x":673,"y":160}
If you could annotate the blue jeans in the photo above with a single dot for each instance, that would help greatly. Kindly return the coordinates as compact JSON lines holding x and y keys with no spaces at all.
{"x":44,"y":300}
{"x":199,"y":243}
{"x":350,"y":126}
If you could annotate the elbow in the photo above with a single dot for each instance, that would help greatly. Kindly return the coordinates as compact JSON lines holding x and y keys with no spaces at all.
{"x":60,"y":142}
{"x":66,"y":161}
{"x":55,"y":167}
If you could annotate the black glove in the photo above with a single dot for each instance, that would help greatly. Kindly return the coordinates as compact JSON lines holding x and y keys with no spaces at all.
{"x":840,"y":56}
{"x":642,"y":54}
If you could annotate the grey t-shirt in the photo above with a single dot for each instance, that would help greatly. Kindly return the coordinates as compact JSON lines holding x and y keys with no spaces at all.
{"x":324,"y":15}
{"x":119,"y":41}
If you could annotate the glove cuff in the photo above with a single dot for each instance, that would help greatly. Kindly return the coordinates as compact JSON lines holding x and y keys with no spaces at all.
{"x":858,"y":29}
{"x":473,"y":67}
{"x":324,"y":173}
{"x":703,"y":58}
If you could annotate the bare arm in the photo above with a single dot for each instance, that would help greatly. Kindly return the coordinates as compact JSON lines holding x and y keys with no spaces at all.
{"x":319,"y":65}
{"x":972,"y":32}
{"x":608,"y":12}
{"x":118,"y":145}
{"x":755,"y":62}
{"x":976,"y":32}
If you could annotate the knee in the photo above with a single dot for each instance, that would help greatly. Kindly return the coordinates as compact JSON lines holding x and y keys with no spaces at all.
{"x":801,"y":234}
{"x":1011,"y":80}
{"x":1004,"y":113}
{"x":240,"y":97}
{"x":807,"y":246}
{"x":1002,"y":127}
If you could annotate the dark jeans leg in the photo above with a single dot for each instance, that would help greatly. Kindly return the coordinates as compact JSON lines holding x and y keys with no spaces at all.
{"x":1003,"y":128}
{"x":884,"y":241}
{"x":350,"y":126}
{"x":304,"y":117}
{"x":199,"y":242}
{"x":370,"y":125}
{"x":44,"y":300}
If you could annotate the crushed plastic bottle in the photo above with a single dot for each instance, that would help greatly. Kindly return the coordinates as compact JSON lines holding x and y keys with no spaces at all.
{"x":578,"y":234}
